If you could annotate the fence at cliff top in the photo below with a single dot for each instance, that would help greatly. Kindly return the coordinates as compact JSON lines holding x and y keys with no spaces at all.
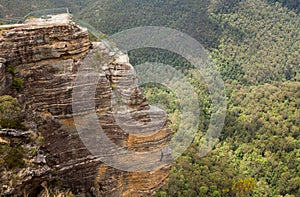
{"x":41,"y":13}
{"x":35,"y":14}
{"x":54,"y":11}
{"x":11,"y":20}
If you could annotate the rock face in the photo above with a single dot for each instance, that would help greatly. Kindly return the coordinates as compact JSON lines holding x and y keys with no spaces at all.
{"x":47,"y":55}
{"x":40,"y":39}
{"x":2,"y":76}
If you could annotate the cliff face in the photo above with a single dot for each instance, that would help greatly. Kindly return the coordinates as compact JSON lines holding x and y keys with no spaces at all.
{"x":47,"y":55}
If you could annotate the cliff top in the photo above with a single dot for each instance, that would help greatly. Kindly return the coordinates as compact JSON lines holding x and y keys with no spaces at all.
{"x":47,"y":37}
{"x":47,"y":20}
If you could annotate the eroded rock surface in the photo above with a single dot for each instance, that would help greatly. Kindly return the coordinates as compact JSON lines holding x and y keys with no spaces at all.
{"x":47,"y":55}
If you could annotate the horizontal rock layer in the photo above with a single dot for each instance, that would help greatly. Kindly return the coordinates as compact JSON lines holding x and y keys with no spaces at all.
{"x":42,"y":39}
{"x":49,"y":55}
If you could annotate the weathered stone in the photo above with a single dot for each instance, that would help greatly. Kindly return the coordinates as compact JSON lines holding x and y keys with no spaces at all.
{"x":14,"y":133}
{"x":40,"y":39}
{"x":40,"y":159}
{"x":47,"y":55}
{"x":3,"y":77}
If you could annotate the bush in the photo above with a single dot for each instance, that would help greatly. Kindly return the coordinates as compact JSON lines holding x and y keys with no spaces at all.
{"x":40,"y":140}
{"x":93,"y":38}
{"x":10,"y":112}
{"x":14,"y":158}
{"x":11,"y":70}
{"x":17,"y":84}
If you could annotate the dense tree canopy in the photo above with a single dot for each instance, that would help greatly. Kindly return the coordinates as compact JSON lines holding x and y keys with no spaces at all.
{"x":260,"y":43}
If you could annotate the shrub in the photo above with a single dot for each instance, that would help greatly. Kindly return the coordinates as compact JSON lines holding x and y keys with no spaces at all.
{"x":40,"y":140}
{"x":17,"y":84}
{"x":93,"y":38}
{"x":98,"y":55}
{"x":11,"y":70}
{"x":10,"y":112}
{"x":14,"y":158}
{"x":103,"y":35}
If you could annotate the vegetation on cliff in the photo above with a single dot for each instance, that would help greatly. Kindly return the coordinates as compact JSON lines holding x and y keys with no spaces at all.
{"x":10,"y":112}
{"x":256,"y":47}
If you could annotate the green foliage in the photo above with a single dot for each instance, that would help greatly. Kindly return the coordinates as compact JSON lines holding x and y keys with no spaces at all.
{"x":140,"y":56}
{"x":55,"y":188}
{"x":31,"y":17}
{"x":17,"y":84}
{"x":161,"y":96}
{"x":17,"y":8}
{"x":243,"y":187}
{"x":291,"y":4}
{"x":260,"y":43}
{"x":10,"y":112}
{"x":33,"y":152}
{"x":259,"y":153}
{"x":203,"y":190}
{"x":40,"y":140}
{"x":54,"y":183}
{"x":249,"y":43}
{"x":98,"y":55}
{"x":14,"y":158}
{"x":112,"y":16}
{"x":11,"y":70}
{"x":93,"y":38}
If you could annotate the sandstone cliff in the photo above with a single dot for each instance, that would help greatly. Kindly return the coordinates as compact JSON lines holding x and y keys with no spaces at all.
{"x":46,"y":54}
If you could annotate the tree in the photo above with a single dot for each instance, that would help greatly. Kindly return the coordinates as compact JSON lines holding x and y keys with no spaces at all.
{"x":10,"y":112}
{"x":243,"y":187}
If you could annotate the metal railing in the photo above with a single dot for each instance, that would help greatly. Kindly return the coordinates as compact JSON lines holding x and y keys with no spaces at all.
{"x":54,"y":11}
{"x":40,"y":13}
{"x":35,"y":14}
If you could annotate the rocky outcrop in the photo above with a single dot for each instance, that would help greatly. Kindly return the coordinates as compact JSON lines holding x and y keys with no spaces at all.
{"x":40,"y":39}
{"x":47,"y":55}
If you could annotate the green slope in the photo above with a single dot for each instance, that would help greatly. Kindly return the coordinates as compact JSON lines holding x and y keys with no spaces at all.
{"x":260,"y":43}
{"x":259,"y":149}
{"x":190,"y":16}
{"x":255,"y":42}
{"x":17,"y":8}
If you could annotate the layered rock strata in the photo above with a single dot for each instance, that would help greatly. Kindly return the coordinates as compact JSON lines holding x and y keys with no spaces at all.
{"x":47,"y":55}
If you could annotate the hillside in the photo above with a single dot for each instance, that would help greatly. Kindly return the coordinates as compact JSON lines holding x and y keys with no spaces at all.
{"x":259,"y":44}
{"x":15,"y":8}
{"x":255,"y":44}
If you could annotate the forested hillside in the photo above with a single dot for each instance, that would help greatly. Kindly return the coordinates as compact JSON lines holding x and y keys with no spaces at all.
{"x":291,"y":4}
{"x":258,"y":151}
{"x":190,"y":16}
{"x":256,"y":46}
{"x":253,"y":42}
{"x":259,"y":43}
{"x":15,"y":8}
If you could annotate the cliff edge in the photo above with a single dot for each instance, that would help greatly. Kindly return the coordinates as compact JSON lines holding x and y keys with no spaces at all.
{"x":39,"y":64}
